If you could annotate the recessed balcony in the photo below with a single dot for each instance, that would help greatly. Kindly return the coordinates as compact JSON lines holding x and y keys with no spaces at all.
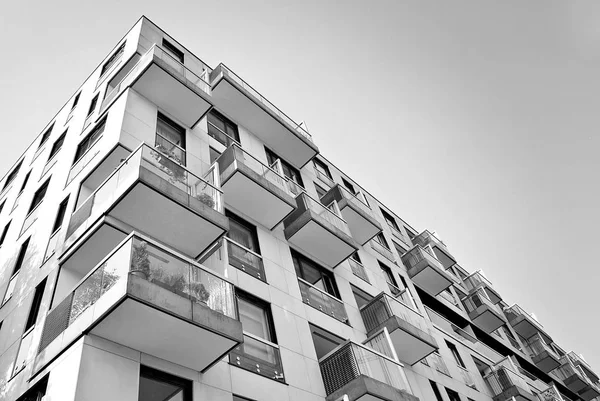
{"x":244,"y":105}
{"x":478,"y":280}
{"x":525,"y":324}
{"x":256,"y":190}
{"x":409,"y":333}
{"x":319,"y":231}
{"x":170,"y":85}
{"x":542,"y":354}
{"x":146,"y":297}
{"x":508,"y":385}
{"x":425,"y":270}
{"x":363,"y":374}
{"x":356,"y":212}
{"x":427,"y":238}
{"x":483,"y":312}
{"x":572,"y":376}
{"x":150,"y":192}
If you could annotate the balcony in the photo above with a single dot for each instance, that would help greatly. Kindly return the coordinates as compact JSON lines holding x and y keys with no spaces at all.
{"x":587,"y":369}
{"x":322,"y":301}
{"x":551,"y":394}
{"x":506,"y":384}
{"x":357,"y":214}
{"x":155,"y":195}
{"x":426,"y":271}
{"x":243,"y":104}
{"x":427,"y":238}
{"x":363,"y":374}
{"x":256,"y":190}
{"x":170,"y":85}
{"x":525,"y":325}
{"x":358,"y":270}
{"x":590,"y":392}
{"x":478,"y":280}
{"x":572,"y":376}
{"x":259,"y":356}
{"x":146,"y":297}
{"x":542,"y":354}
{"x":319,"y":231}
{"x":483,"y":312}
{"x":408,"y":329}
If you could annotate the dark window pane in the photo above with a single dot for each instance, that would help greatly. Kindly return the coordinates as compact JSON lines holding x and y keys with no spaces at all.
{"x":25,"y":182}
{"x":12,"y":175}
{"x":159,"y":386}
{"x":38,"y":197}
{"x":172,"y":50}
{"x":322,"y":167}
{"x":242,"y":232}
{"x":93,"y":105}
{"x":4,"y":232}
{"x":89,"y":140}
{"x":21,"y":256}
{"x":324,"y":341}
{"x":57,"y":145}
{"x":113,"y":59}
{"x":46,"y":135}
{"x":35,"y":305}
{"x":60,"y":215}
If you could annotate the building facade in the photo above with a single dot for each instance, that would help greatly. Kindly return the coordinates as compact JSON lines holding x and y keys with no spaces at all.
{"x":173,"y":235}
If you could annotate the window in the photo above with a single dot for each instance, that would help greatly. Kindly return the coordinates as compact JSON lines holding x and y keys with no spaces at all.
{"x":12,"y":175}
{"x":240,"y":398}
{"x":455,"y":354}
{"x":389,"y":276}
{"x":37,"y":392}
{"x":25,"y":182}
{"x":213,"y":154}
{"x":35,"y":305}
{"x":46,"y":135}
{"x":320,"y":191}
{"x":452,"y":395}
{"x":400,"y":249}
{"x":356,"y":257}
{"x":38,"y":197}
{"x":389,"y":219}
{"x":321,"y":168}
{"x":288,"y":171}
{"x":348,"y":186}
{"x":222,"y":129}
{"x":2,"y":205}
{"x":89,"y":140}
{"x":410,"y":233}
{"x":361,"y":297}
{"x":436,"y":391}
{"x":93,"y":105}
{"x":172,"y":50}
{"x":380,"y":239}
{"x":21,"y":256}
{"x":255,"y":316}
{"x":60,"y":215}
{"x":242,"y":232}
{"x":312,"y":273}
{"x":112,"y":60}
{"x":324,"y":341}
{"x":4,"y":232}
{"x":75,"y":101}
{"x":160,"y":386}
{"x":170,"y":138}
{"x":57,"y":146}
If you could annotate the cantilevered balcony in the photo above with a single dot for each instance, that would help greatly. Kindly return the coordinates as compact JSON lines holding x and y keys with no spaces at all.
{"x":590,"y":392}
{"x":256,"y":190}
{"x":482,"y":311}
{"x":244,"y":105}
{"x":425,"y":270}
{"x":151,"y":193}
{"x":506,"y":384}
{"x":439,"y":248}
{"x":408,"y":329}
{"x":525,"y":325}
{"x":170,"y":85}
{"x":322,"y":301}
{"x":363,"y":374}
{"x":542,"y":354}
{"x":357,"y":214}
{"x":319,"y":231}
{"x":551,"y":394}
{"x":572,"y":376}
{"x":149,"y":298}
{"x":587,"y":369}
{"x":478,"y":280}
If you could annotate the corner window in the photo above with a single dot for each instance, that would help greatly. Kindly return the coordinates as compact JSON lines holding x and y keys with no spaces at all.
{"x":46,"y":135}
{"x":160,"y":386}
{"x":57,"y":146}
{"x":172,"y":50}
{"x":288,"y":171}
{"x":89,"y":141}
{"x":222,"y":129}
{"x":112,"y":60}
{"x":170,"y":138}
{"x":12,"y":175}
{"x":322,"y":168}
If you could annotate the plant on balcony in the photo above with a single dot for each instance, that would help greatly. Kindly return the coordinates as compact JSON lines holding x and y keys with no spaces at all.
{"x":199,"y":293}
{"x":171,"y":164}
{"x":206,"y":199}
{"x":140,"y":260}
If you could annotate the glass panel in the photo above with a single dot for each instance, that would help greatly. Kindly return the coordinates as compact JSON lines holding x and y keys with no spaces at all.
{"x":259,"y":357}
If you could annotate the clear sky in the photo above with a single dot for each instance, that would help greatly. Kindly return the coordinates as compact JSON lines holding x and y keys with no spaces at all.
{"x":478,"y":119}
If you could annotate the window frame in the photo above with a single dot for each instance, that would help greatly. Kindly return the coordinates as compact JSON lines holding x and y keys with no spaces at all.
{"x":324,"y":168}
{"x":265,"y":306}
{"x":112,"y":60}
{"x":173,"y":51}
{"x":327,"y":277}
{"x":60,"y":215}
{"x":4,"y":232}
{"x":251,"y":229}
{"x":10,"y":177}
{"x":99,"y":128}
{"x":46,"y":135}
{"x":43,"y":189}
{"x":214,"y":113}
{"x":456,"y":354}
{"x":57,"y":146}
{"x":160,"y":376}
{"x":36,"y":304}
{"x":390,"y":219}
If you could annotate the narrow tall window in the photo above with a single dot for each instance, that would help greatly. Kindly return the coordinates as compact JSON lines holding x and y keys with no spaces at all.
{"x":288,"y":170}
{"x":4,"y":232}
{"x":389,"y":276}
{"x":46,"y":135}
{"x":57,"y":145}
{"x":349,"y":186}
{"x":38,"y":197}
{"x":60,"y":215}
{"x":93,"y":105}
{"x":12,"y":175}
{"x":21,"y":256}
{"x":436,"y":391}
{"x":25,"y":182}
{"x":172,"y":50}
{"x":322,"y":168}
{"x":380,"y":238}
{"x":390,"y":220}
{"x":112,"y":60}
{"x":35,"y":305}
{"x":242,"y":232}
{"x":452,"y":395}
{"x":455,"y":354}
{"x":75,"y":101}
{"x":89,"y":140}
{"x":222,"y":129}
{"x":170,"y":138}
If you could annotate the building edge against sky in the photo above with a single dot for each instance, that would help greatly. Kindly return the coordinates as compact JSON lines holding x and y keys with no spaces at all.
{"x":173,"y":233}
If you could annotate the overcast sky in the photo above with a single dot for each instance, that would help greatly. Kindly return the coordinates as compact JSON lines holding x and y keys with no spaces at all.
{"x":478,"y":119}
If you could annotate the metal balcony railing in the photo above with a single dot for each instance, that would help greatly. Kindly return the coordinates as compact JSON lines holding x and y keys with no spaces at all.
{"x":477,"y":299}
{"x":322,"y":301}
{"x":351,"y":360}
{"x":502,"y":378}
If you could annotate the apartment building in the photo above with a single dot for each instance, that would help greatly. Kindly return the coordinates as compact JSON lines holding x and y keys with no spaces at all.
{"x":173,"y":235}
